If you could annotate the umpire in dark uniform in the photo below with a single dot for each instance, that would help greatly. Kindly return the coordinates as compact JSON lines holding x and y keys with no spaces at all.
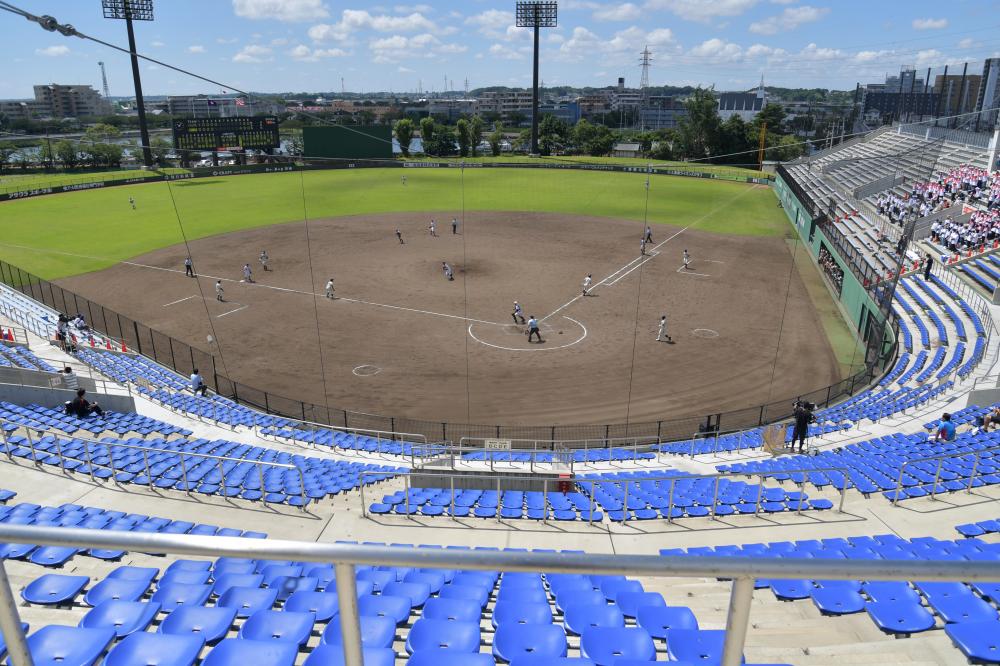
{"x":803,"y":413}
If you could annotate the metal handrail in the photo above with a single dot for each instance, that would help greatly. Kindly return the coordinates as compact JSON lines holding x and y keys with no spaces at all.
{"x":742,"y":571}
{"x":937,"y":473}
{"x":146,"y":450}
{"x":379,"y":435}
{"x":592,"y":482}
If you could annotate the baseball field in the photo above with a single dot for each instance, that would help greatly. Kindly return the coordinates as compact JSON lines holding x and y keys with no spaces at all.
{"x":749,"y":322}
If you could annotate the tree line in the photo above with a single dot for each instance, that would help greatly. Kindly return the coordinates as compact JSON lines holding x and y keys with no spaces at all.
{"x":700,"y":134}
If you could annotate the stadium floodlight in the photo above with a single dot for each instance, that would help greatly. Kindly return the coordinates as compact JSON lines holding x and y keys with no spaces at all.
{"x":536,"y":14}
{"x":128,"y":11}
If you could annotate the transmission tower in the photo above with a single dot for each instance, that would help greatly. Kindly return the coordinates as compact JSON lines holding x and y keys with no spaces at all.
{"x":645,"y":60}
{"x":104,"y":82}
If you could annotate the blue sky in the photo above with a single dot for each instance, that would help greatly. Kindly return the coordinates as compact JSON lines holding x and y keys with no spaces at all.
{"x":309,"y":45}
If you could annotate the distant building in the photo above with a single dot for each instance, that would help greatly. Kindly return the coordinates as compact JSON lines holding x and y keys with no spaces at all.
{"x":57,"y":101}
{"x":661,"y":112}
{"x":568,"y":112}
{"x":626,"y":150}
{"x":452,"y":109}
{"x":70,"y":101}
{"x":206,"y":106}
{"x":505,"y":103}
{"x":746,"y":105}
{"x":989,"y":94}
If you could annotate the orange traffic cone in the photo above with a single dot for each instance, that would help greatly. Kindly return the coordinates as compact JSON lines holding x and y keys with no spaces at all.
{"x":91,"y":342}
{"x":107,"y":344}
{"x":124,"y":349}
{"x":10,"y":335}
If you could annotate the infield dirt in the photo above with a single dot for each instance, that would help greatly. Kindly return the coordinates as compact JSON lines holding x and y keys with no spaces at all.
{"x":744,"y":330}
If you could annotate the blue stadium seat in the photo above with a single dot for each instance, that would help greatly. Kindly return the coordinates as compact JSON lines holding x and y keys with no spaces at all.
{"x":247,"y":600}
{"x":118,"y":589}
{"x":900,"y":617}
{"x":659,"y":620}
{"x":978,"y":641}
{"x":451,"y":658}
{"x":696,"y":645}
{"x":125,"y":617}
{"x":515,"y":640}
{"x":376,"y":632}
{"x":288,"y":626}
{"x":507,"y":612}
{"x":240,"y":652}
{"x":389,"y":606}
{"x":443,"y":635}
{"x":333,"y":655}
{"x":54,"y":589}
{"x":211,"y":624}
{"x":155,"y":650}
{"x":631,"y":602}
{"x":323,"y":605}
{"x":171,"y":595}
{"x":580,"y":618}
{"x":56,"y":644}
{"x":456,"y":610}
{"x":606,"y":645}
{"x":837,"y":601}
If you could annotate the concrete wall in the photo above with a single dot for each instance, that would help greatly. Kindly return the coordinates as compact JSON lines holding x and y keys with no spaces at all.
{"x":49,"y":397}
{"x":42,"y":379}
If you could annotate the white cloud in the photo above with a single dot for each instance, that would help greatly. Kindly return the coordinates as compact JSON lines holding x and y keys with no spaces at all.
{"x":930,"y":23}
{"x":360,"y":19}
{"x":279,"y":41}
{"x":764,"y":51}
{"x":404,"y":70}
{"x":966,"y":43}
{"x":871,"y":56}
{"x":789,"y":19}
{"x":702,"y":10}
{"x":303,"y":53}
{"x":196,"y":48}
{"x":814,"y":52}
{"x":224,"y":40}
{"x":623,"y":12}
{"x":409,"y":9}
{"x":282,"y":10}
{"x":253,"y":53}
{"x":492,"y":23}
{"x":157,"y":43}
{"x":719,"y":50}
{"x":505,"y":52}
{"x":582,"y":43}
{"x":399,"y":48}
{"x":53,"y":51}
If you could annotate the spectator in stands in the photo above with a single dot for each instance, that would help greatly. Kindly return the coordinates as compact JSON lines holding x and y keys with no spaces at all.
{"x":946,"y":430}
{"x":62,"y":329}
{"x":69,"y":379}
{"x":991,"y":418}
{"x":928,"y":264}
{"x":197,"y":383}
{"x":803,"y":417}
{"x":81,"y":407}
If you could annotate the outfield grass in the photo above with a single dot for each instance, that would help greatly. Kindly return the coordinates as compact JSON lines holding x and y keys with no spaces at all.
{"x":65,"y":234}
{"x":10,"y":182}
{"x":628,"y":161}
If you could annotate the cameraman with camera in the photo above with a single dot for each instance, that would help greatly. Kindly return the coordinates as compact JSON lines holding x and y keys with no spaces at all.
{"x":803,"y":412}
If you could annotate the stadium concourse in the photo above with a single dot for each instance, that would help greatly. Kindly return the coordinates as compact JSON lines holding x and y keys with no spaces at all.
{"x":160,"y":471}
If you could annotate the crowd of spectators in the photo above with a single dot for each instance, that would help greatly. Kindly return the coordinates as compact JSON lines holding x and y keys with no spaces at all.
{"x":964,"y":184}
{"x":831,"y":268}
{"x":982,"y":228}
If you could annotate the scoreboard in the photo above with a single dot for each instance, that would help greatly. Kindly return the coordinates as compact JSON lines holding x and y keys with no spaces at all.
{"x":226,"y":133}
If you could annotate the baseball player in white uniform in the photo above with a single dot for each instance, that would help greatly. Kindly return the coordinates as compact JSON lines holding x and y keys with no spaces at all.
{"x":219,"y":291}
{"x":433,"y":228}
{"x":687,"y":261}
{"x":329,"y":288}
{"x":448,"y":273}
{"x":247,"y":273}
{"x":586,"y":284}
{"x":517,"y":313}
{"x":264,"y":259}
{"x":661,"y":333}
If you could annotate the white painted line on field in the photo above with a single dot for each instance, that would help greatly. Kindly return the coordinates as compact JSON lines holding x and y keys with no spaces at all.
{"x":180,"y":300}
{"x":242,"y":307}
{"x":691,"y":273}
{"x":712,"y":261}
{"x":540,"y":347}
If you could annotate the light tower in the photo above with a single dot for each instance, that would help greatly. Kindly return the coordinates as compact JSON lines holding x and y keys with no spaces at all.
{"x":536,"y":14}
{"x":104,"y":82}
{"x":134,"y":10}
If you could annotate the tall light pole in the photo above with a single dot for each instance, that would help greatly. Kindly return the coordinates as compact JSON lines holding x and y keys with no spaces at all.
{"x":134,"y":10}
{"x":536,"y":14}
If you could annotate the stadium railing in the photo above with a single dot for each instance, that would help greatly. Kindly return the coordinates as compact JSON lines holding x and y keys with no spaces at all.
{"x":975,"y":455}
{"x":743,"y":572}
{"x":546,"y":484}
